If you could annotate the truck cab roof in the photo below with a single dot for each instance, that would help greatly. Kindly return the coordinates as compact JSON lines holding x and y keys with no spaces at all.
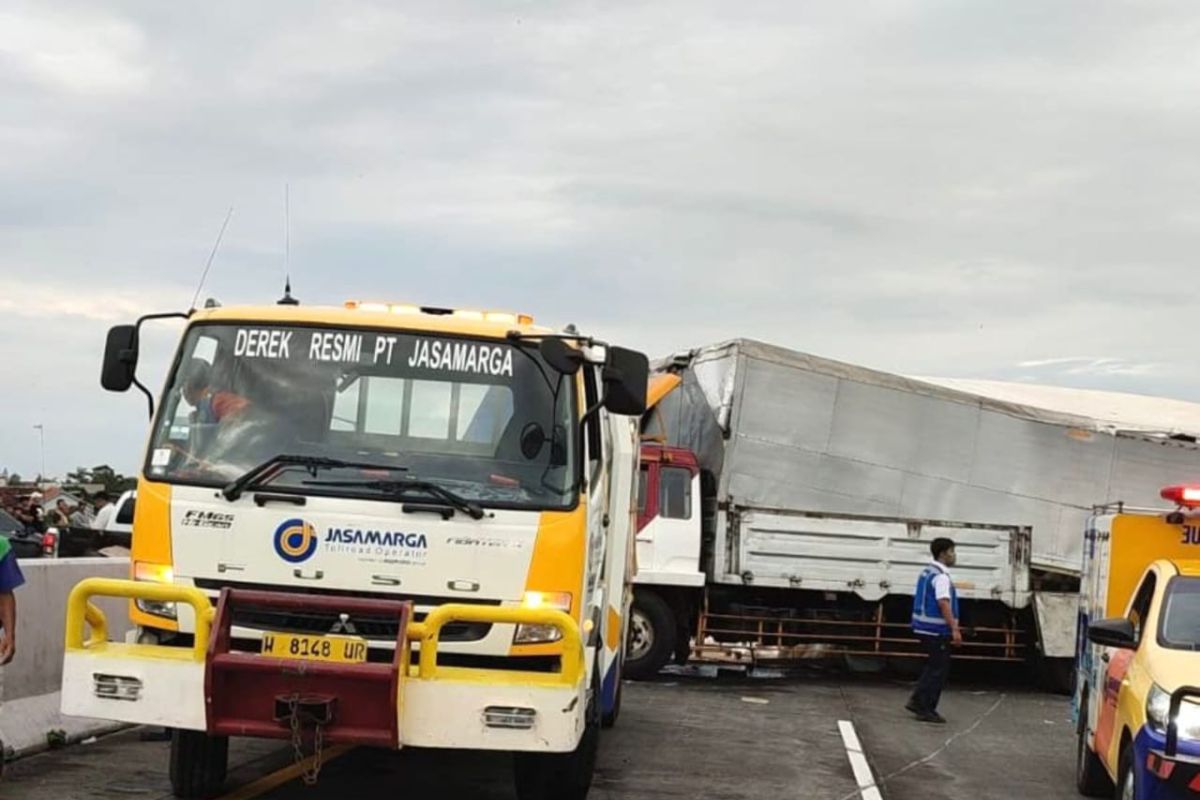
{"x":426,"y":319}
{"x":1189,"y":568}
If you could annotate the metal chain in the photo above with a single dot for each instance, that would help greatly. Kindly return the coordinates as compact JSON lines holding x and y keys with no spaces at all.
{"x":313,"y":772}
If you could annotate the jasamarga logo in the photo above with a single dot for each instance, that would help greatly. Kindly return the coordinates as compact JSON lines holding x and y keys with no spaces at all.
{"x":395,"y":540}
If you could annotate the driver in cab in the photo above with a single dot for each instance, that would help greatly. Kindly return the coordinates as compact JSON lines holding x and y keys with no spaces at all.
{"x":211,"y":405}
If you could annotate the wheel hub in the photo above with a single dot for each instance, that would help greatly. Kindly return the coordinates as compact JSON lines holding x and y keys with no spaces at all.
{"x":641,"y":635}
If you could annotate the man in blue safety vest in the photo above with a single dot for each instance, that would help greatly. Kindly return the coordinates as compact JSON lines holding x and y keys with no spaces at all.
{"x":935,"y":622}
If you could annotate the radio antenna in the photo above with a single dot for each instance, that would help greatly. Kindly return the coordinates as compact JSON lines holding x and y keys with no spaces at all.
{"x":287,"y":233}
{"x":287,"y":299}
{"x":211,"y":256}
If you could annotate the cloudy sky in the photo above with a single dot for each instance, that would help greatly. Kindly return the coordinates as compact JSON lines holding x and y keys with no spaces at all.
{"x":998,"y":189}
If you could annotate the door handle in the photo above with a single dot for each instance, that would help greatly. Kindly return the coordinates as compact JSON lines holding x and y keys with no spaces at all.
{"x":1106,"y":658}
{"x":316,"y":576}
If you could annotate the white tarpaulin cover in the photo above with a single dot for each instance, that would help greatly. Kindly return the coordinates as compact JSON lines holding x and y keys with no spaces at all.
{"x":1108,"y":411}
{"x":784,"y":429}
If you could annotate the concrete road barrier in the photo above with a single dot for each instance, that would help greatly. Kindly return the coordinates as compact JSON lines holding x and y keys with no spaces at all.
{"x":29,"y":713}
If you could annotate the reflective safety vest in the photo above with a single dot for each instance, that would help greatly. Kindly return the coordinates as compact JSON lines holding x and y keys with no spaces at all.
{"x":926,"y":615}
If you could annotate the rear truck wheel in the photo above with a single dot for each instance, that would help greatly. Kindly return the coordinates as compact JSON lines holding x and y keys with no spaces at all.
{"x":652,"y":636}
{"x":561,"y":776}
{"x":198,"y":764}
{"x":1090,"y":778}
{"x":1126,"y":777}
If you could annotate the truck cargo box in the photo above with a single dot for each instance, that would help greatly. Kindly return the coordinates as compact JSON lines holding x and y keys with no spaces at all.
{"x":787,"y":430}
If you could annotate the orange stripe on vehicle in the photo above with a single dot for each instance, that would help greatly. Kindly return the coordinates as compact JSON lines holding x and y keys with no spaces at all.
{"x":151,"y":539}
{"x":613,"y":634}
{"x":557,"y":565}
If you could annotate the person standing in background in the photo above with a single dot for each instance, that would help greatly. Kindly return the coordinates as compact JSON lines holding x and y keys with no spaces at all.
{"x":35,"y":515}
{"x":104,"y":512}
{"x":60,"y":515}
{"x":79,"y":517}
{"x":935,"y":622}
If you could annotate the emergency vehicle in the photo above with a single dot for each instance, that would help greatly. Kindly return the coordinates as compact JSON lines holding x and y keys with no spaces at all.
{"x":376,"y":524}
{"x":1138,"y":664}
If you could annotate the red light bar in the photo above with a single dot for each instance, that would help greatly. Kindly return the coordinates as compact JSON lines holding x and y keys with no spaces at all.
{"x":1188,"y":496}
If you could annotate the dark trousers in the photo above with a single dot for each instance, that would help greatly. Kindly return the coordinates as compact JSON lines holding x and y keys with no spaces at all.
{"x":933,"y":677}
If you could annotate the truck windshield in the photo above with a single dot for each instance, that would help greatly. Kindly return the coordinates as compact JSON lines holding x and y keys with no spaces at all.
{"x":1180,"y":627}
{"x":484,"y":418}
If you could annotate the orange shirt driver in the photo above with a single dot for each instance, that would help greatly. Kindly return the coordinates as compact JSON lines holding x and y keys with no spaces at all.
{"x":211,"y":405}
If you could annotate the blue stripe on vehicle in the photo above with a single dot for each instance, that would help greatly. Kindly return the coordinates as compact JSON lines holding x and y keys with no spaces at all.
{"x":608,"y":689}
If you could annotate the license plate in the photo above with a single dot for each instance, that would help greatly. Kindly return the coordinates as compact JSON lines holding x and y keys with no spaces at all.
{"x":339,"y":649}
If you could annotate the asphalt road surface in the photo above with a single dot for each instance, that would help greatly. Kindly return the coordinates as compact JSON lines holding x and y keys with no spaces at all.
{"x":723,"y":738}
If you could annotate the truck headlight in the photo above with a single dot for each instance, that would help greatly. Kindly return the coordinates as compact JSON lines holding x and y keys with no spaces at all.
{"x":1158,"y":708}
{"x":541,"y":634}
{"x":155,"y":573}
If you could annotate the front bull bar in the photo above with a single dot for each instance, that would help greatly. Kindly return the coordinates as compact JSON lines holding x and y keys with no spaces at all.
{"x":205,"y":687}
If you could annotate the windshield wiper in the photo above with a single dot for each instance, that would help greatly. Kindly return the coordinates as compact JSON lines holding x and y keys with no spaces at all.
{"x":403,"y":486}
{"x":271,"y":466}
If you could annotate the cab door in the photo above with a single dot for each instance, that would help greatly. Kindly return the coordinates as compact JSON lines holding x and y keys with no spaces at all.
{"x":598,"y":474}
{"x":1115,"y":667}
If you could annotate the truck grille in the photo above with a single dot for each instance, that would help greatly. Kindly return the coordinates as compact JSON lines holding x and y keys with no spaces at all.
{"x":370,"y":627}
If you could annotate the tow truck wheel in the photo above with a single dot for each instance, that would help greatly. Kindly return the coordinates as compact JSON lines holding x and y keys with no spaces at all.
{"x":561,"y":776}
{"x":1090,"y":777}
{"x":1126,"y":778}
{"x":652,"y":636}
{"x":198,"y":764}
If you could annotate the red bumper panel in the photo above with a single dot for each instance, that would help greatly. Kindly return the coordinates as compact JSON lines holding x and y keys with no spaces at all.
{"x":249,"y":694}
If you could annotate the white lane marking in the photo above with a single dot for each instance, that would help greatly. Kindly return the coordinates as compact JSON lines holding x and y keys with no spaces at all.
{"x":858,"y":761}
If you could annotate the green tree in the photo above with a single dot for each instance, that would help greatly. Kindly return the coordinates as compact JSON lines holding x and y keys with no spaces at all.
{"x":114,"y":482}
{"x":80,"y":475}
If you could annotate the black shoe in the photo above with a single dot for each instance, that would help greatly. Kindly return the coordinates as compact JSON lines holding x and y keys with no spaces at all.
{"x":913,"y":707}
{"x":932,"y":717}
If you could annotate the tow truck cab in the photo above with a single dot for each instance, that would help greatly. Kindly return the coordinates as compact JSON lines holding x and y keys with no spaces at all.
{"x":400,"y":525}
{"x":1137,"y":694}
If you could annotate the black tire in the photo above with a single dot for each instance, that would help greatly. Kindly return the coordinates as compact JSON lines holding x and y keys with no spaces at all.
{"x":561,"y":776}
{"x":1090,"y":778}
{"x":199,"y":763}
{"x":1126,"y":788}
{"x":652,"y":635}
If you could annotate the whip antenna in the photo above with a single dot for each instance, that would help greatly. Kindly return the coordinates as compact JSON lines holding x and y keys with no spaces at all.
{"x":211,"y":256}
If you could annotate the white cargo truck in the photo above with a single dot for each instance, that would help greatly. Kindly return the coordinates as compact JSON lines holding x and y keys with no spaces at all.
{"x":788,"y":502}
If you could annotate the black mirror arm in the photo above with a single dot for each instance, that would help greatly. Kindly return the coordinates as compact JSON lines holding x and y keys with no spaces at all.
{"x":591,"y":412}
{"x":133,"y":354}
{"x":149,"y":396}
{"x":583,"y":421}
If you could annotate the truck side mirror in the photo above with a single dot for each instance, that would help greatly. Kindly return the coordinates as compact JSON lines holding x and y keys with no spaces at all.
{"x":626,"y":375}
{"x":560,"y":356}
{"x":120,"y":358}
{"x":1118,"y":632}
